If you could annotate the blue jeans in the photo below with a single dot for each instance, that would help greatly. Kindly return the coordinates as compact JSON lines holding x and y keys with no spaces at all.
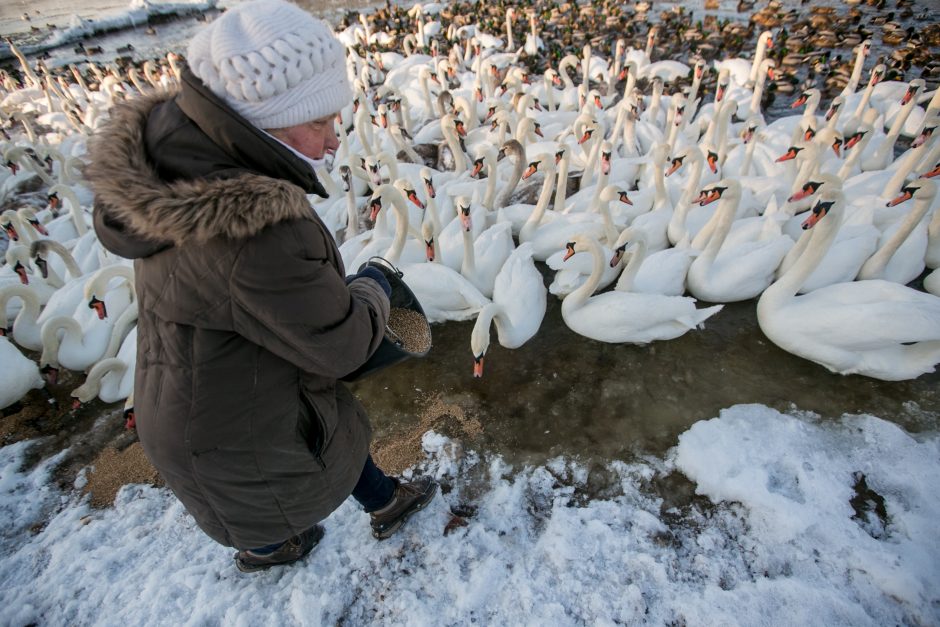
{"x":373,"y":491}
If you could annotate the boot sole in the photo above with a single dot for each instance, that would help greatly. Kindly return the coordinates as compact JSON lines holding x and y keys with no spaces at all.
{"x":385,"y":535}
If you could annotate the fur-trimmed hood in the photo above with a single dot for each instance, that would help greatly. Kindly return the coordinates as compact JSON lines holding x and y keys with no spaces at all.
{"x":139,"y":212}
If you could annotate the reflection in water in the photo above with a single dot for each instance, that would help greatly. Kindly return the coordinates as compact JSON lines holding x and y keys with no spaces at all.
{"x":564,"y":394}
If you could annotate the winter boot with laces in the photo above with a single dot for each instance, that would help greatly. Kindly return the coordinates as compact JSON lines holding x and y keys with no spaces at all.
{"x":407,"y":499}
{"x":294,"y":549}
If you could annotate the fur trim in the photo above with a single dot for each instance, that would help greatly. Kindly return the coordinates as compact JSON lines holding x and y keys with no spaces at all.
{"x":124,"y":180}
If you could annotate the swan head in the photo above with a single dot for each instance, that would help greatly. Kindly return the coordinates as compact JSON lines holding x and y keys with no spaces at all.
{"x":831,"y":138}
{"x":813,"y":186}
{"x":463,"y":212}
{"x":823,"y":207}
{"x":427,"y":234}
{"x":725,"y":188}
{"x":923,"y":188}
{"x":930,"y":125}
{"x":425,"y":173}
{"x":834,"y":107}
{"x":544,"y":163}
{"x":407,"y":190}
{"x":913,"y":90}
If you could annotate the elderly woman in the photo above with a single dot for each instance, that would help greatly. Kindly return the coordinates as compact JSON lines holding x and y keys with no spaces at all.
{"x":247,"y":322}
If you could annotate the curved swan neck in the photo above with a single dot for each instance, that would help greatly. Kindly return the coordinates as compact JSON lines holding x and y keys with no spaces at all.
{"x":51,"y":245}
{"x":577,"y":298}
{"x":721,"y":222}
{"x":535,"y":218}
{"x":876,"y":264}
{"x":480,"y":335}
{"x":561,"y":188}
{"x":792,"y":280}
{"x":637,"y":255}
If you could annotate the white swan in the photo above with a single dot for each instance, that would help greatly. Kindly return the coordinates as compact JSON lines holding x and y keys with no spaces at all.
{"x":20,"y":374}
{"x":874,"y":328}
{"x":900,"y":258}
{"x":721,"y":274}
{"x":517,"y":310}
{"x":662,"y":272}
{"x":24,"y":330}
{"x":618,"y":317}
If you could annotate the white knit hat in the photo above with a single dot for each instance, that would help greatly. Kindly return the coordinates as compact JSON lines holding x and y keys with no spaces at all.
{"x":272,"y":62}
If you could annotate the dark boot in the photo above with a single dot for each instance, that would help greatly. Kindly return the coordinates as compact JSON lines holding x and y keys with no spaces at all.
{"x":407,"y":499}
{"x":291,"y":551}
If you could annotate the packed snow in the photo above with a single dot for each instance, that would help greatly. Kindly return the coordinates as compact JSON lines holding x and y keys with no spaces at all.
{"x":798,"y":520}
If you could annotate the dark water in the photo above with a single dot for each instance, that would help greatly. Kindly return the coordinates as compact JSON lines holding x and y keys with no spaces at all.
{"x":562,"y":393}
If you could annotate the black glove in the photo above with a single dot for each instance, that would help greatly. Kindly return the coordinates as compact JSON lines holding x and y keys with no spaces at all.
{"x":376,"y":275}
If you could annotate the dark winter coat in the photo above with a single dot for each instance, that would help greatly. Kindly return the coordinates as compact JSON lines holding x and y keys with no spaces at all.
{"x":246,"y":322}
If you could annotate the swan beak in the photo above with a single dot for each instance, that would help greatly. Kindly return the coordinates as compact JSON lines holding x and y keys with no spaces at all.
{"x":597,"y":103}
{"x":54,"y":201}
{"x":99,"y":307}
{"x":429,"y":249}
{"x":20,"y":271}
{"x":625,"y":199}
{"x":712,"y":162}
{"x":14,"y":168}
{"x":465,"y":220}
{"x":788,"y":155}
{"x":489,"y":113}
{"x":374,"y":207}
{"x":460,"y":128}
{"x":932,"y":173}
{"x":43,"y":266}
{"x":720,"y":93}
{"x":538,"y":130}
{"x":708,"y":196}
{"x":384,"y":120}
{"x":529,"y":171}
{"x":556,"y":81}
{"x":569,"y":251}
{"x":907,"y":96}
{"x":770,"y":73}
{"x":477,"y":166}
{"x":50,"y":374}
{"x":36,"y":224}
{"x":800,"y":195}
{"x":429,"y":188}
{"x":770,"y":43}
{"x":620,"y":77}
{"x":479,"y":94}
{"x":413,"y":197}
{"x":11,"y":231}
{"x":799,"y":102}
{"x":585,"y":137}
{"x":537,"y":106}
{"x":906,"y":195}
{"x":676,"y":164}
{"x":747,"y":135}
{"x":854,"y":139}
{"x":478,"y":367}
{"x":820,"y":210}
{"x":836,"y":146}
{"x":923,"y":137}
{"x":831,"y":112}
{"x":617,"y":256}
{"x":605,"y":163}
{"x":76,"y":404}
{"x":130,"y":418}
{"x":809,"y":134}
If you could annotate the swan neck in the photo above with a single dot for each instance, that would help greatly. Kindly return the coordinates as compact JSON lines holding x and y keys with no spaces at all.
{"x":576,"y":298}
{"x":792,"y":280}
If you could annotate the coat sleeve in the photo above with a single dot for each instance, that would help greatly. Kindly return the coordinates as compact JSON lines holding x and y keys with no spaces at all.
{"x":289,"y":297}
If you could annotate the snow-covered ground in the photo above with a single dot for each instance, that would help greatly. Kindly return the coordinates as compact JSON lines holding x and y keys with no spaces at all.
{"x":777,"y":541}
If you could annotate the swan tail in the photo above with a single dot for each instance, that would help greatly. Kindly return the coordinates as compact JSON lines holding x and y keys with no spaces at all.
{"x":701,"y":315}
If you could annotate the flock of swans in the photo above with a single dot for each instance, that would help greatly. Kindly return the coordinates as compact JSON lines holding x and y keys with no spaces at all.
{"x":465,"y":171}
